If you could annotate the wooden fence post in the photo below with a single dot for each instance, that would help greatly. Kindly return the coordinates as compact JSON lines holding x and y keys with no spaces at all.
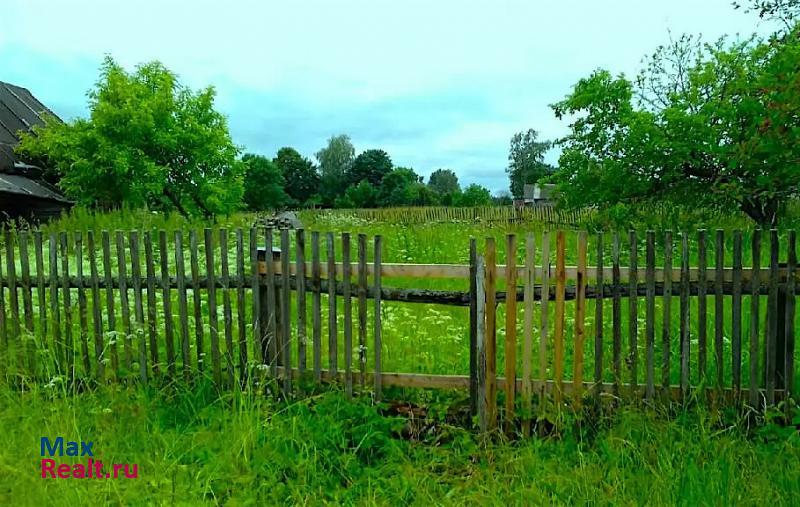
{"x":473,"y":326}
{"x":480,"y":344}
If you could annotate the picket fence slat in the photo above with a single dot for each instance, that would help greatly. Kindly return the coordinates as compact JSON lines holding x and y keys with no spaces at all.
{"x":545,"y":303}
{"x":111,"y":317}
{"x":684,"y":315}
{"x":316,"y":306}
{"x":82,"y":308}
{"x":650,"y":315}
{"x":580,"y":316}
{"x":736,"y":314}
{"x":527,"y":352}
{"x":3,"y":323}
{"x":719,"y":310}
{"x":13,"y":300}
{"x":136,"y":272}
{"x":183,"y":304}
{"x":701,"y":307}
{"x":473,"y":323}
{"x":55,"y":310}
{"x":269,"y":315}
{"x":348,"y":316}
{"x":754,"y":318}
{"x":152,"y":309}
{"x":285,"y":306}
{"x":788,"y":381}
{"x":40,"y":288}
{"x":258,"y":351}
{"x":633,"y":311}
{"x":227,"y":311}
{"x":362,"y":309}
{"x":558,"y":345}
{"x":511,"y":331}
{"x":300,"y":262}
{"x":166,"y":303}
{"x":240,"y":308}
{"x":377,"y":317}
{"x":598,"y":318}
{"x":333,"y":338}
{"x":666,"y":322}
{"x":616,"y":317}
{"x":770,"y":351}
{"x":68,"y":345}
{"x":123,"y":298}
{"x":491,"y":334}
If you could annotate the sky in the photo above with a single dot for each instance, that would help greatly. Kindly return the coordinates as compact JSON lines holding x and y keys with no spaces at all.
{"x":441,"y":84}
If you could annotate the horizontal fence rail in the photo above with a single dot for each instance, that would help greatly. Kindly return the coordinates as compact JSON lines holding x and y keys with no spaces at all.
{"x":709,"y":315}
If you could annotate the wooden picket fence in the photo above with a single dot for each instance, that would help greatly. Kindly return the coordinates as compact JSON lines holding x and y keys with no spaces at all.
{"x":488,"y":214}
{"x":153,"y":306}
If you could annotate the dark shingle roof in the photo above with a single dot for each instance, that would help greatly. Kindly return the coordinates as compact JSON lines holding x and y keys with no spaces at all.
{"x":19,"y":110}
{"x":20,"y":185}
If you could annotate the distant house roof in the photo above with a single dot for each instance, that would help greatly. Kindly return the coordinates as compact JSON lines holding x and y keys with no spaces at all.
{"x":532,"y":192}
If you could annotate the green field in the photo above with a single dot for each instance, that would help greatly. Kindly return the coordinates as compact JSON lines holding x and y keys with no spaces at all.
{"x":197,"y":446}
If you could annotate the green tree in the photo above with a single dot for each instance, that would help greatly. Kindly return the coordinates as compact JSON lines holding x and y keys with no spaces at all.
{"x":335,"y":160}
{"x":370,"y":165}
{"x":716,"y":125}
{"x":148,"y":141}
{"x":399,"y":188}
{"x":301,"y":180}
{"x":363,"y":195}
{"x":526,"y":161}
{"x":473,"y":195}
{"x":263,"y":184}
{"x":443,"y":182}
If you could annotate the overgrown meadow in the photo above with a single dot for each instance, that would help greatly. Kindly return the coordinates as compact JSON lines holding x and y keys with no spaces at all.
{"x":197,"y":445}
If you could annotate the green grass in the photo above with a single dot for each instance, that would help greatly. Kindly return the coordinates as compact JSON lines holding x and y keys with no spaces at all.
{"x":193,"y":447}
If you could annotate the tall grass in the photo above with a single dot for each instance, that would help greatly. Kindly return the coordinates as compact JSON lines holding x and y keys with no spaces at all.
{"x":193,"y":447}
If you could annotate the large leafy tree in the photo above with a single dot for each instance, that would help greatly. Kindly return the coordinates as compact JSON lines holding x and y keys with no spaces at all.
{"x":401,"y":187}
{"x":363,"y":195}
{"x":709,"y":125}
{"x":526,"y":160}
{"x":335,"y":160}
{"x":301,"y":180}
{"x":263,"y":184}
{"x":148,"y":141}
{"x":443,"y":182}
{"x":473,"y":195}
{"x":370,"y":165}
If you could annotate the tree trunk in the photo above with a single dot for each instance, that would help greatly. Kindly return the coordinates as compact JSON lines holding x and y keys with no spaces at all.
{"x":764,"y":212}
{"x":176,"y":202}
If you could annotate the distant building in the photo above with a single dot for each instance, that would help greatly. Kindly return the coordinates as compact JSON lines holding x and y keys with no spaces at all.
{"x":24,"y":192}
{"x":539,"y":195}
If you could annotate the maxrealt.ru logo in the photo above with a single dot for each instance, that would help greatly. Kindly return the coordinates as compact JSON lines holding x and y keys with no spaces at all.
{"x":92,"y":469}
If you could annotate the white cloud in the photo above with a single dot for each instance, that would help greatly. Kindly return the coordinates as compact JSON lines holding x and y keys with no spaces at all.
{"x":433,"y":83}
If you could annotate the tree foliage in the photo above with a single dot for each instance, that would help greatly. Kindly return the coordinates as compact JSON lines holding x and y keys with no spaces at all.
{"x":473,"y":195}
{"x":148,"y":141}
{"x":335,"y":160}
{"x":526,"y":161}
{"x":370,"y":165}
{"x":711,"y":124}
{"x":444,"y":181}
{"x":301,"y":180}
{"x":263,"y":184}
